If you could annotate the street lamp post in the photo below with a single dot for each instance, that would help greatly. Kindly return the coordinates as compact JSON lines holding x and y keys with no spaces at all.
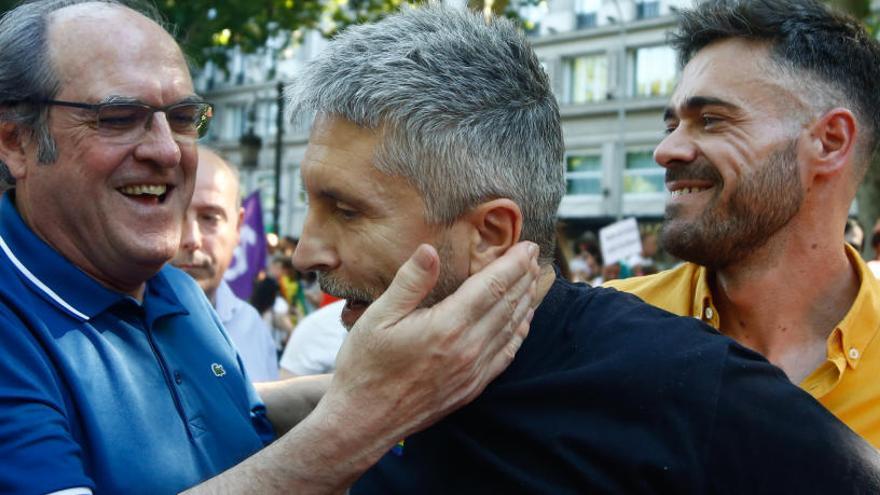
{"x":279,"y":133}
{"x":250,"y":142}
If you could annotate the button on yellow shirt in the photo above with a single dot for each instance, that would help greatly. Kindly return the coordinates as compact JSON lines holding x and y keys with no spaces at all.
{"x":847,"y":383}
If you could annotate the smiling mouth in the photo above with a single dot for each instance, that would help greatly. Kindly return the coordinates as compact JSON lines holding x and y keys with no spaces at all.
{"x":153,"y":193}
{"x":687,"y":190}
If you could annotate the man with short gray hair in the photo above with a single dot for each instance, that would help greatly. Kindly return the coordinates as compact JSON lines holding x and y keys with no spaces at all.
{"x":438,"y":126}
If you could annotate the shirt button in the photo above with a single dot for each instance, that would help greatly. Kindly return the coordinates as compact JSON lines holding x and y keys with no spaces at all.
{"x":709,"y":313}
{"x":854,"y":353}
{"x":178,"y":378}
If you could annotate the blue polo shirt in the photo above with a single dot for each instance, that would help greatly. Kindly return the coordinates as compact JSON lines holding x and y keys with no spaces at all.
{"x":102,"y":392}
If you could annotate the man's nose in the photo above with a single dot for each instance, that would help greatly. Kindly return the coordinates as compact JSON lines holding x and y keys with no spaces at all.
{"x":315,"y":251}
{"x":158,"y":144}
{"x":191,"y":240}
{"x":676,"y":148}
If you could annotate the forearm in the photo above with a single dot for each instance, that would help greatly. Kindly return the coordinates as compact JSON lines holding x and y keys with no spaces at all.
{"x":289,"y":401}
{"x":401,"y":369}
{"x":323,"y":454}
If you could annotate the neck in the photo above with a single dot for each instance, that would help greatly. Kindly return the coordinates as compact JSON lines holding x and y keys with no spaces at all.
{"x":545,"y":281}
{"x":133,"y":285}
{"x":785,"y":299}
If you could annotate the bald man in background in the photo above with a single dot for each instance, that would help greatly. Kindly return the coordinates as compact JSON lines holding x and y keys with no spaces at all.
{"x":210,"y":235}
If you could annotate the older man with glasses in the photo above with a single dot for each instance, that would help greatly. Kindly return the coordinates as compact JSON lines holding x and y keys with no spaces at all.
{"x":115,"y":373}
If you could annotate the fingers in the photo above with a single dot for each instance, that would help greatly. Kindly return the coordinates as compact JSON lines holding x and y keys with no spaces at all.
{"x":505,"y":279}
{"x":503,"y":328}
{"x":413,"y":281}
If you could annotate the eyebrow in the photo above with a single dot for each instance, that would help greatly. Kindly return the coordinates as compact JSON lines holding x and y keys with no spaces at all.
{"x":336,"y":195}
{"x":695,"y":103}
{"x":129,"y":99}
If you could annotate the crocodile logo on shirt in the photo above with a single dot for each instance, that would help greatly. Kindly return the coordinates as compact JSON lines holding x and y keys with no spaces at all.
{"x":218,"y":369}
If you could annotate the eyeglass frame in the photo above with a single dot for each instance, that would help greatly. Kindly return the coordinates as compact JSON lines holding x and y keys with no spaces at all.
{"x":96,"y":107}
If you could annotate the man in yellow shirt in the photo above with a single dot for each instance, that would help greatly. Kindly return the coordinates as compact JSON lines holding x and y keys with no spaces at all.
{"x":769,"y":132}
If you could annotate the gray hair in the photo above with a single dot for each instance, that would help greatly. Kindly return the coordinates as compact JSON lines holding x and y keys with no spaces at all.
{"x":26,"y":72}
{"x":466,"y":111}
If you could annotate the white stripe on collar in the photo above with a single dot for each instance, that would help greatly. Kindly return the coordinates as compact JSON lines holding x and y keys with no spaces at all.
{"x":74,"y":491}
{"x":30,"y":276}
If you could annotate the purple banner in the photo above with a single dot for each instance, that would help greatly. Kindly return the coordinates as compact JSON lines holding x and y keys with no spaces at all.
{"x":250,"y":255}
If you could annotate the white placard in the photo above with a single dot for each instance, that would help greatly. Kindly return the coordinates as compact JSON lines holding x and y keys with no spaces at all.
{"x":620,"y":240}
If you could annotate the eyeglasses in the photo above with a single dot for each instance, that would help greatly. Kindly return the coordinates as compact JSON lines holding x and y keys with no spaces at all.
{"x":129,"y":121}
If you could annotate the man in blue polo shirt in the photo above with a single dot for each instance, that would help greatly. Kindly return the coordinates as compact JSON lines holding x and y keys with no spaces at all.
{"x":115,"y":373}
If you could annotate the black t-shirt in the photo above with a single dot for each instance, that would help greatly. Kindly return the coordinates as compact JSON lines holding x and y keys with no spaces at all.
{"x":611,"y":395}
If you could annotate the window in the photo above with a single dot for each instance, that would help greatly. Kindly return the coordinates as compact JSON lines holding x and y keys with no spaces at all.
{"x":266,"y":118}
{"x":586,"y":13}
{"x":655,"y":68}
{"x":642,"y":174}
{"x":587,"y":78}
{"x":646,"y":10}
{"x":583,"y":174}
{"x":583,"y":20}
{"x":235,"y":120}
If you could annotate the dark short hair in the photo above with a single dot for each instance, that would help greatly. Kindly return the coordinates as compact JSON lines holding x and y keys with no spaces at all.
{"x":805,"y":36}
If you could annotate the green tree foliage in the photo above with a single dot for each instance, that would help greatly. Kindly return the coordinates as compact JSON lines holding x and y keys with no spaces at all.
{"x":207,"y":29}
{"x":858,"y":8}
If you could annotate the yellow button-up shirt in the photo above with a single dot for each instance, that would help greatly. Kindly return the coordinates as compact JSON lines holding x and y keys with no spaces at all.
{"x":847,"y":383}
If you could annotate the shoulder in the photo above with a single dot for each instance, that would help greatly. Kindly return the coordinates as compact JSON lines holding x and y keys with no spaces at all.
{"x":761,"y":417}
{"x":36,"y":426}
{"x":172,"y":282}
{"x":609,"y":308}
{"x":180,"y":281}
{"x":617,"y":327}
{"x":676,"y":290}
{"x":682,"y":275}
{"x":21,"y":349}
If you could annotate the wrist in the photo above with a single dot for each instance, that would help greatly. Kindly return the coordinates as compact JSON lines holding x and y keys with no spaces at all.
{"x":345,"y":440}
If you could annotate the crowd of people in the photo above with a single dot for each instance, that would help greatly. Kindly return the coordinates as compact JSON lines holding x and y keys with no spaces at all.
{"x":468,"y":363}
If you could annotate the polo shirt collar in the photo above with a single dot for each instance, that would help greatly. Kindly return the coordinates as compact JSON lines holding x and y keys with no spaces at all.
{"x":860,"y":325}
{"x":862,"y":322}
{"x":160,"y":297}
{"x":58,"y":280}
{"x":702,"y":304}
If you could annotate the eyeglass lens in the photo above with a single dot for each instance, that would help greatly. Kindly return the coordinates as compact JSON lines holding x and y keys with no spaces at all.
{"x":188,"y":121}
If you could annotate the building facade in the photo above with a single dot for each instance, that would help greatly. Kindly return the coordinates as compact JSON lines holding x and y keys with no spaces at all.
{"x":610,"y":69}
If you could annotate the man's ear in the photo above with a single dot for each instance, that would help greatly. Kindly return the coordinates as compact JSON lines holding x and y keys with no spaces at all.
{"x":832,"y":140}
{"x":12,"y":149}
{"x":240,"y":221}
{"x":496,"y":226}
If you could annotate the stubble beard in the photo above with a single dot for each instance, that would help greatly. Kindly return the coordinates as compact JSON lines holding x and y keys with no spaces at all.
{"x":757,"y":209}
{"x":447,"y":283}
